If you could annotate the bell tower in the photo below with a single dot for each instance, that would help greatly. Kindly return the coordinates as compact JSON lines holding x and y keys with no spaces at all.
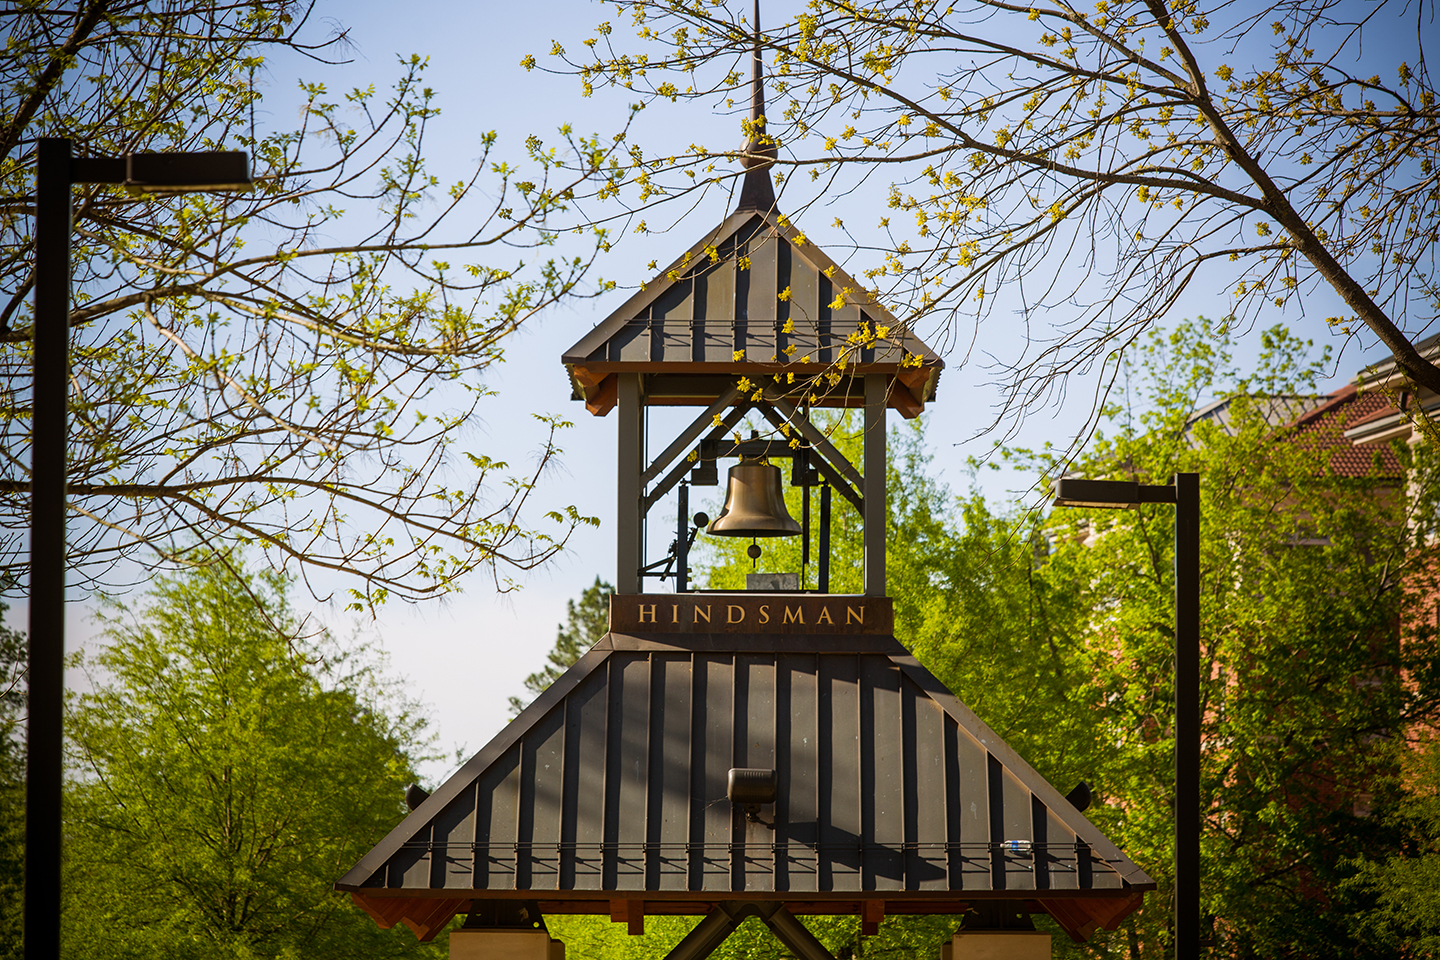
{"x":752,"y":317}
{"x":764,"y":753}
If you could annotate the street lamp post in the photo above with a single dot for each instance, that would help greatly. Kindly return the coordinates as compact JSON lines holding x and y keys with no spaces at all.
{"x":57,"y":170}
{"x":1184,"y":493}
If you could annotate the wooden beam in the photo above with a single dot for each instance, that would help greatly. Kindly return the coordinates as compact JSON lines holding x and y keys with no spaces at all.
{"x":630,"y":911}
{"x":871,"y":913}
{"x":823,"y":462}
{"x":876,"y":387}
{"x":685,"y":466}
{"x":629,"y":550}
{"x":904,"y":401}
{"x":605,"y":396}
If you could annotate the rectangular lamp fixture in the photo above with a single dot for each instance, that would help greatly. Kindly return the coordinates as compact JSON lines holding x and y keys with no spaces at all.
{"x":165,"y":173}
{"x":1109,"y":494}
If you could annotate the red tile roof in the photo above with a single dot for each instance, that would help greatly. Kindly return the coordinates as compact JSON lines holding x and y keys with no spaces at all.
{"x":1346,"y":408}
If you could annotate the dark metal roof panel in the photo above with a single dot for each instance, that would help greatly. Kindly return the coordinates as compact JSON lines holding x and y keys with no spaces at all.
{"x":615,"y":780}
{"x":737,"y":290}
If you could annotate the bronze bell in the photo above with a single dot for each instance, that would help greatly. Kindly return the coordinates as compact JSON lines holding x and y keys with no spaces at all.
{"x":754,"y":504}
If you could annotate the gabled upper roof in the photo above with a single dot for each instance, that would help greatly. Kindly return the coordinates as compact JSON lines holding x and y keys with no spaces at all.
{"x":612,"y":785}
{"x":1337,"y":425}
{"x":753,"y":298}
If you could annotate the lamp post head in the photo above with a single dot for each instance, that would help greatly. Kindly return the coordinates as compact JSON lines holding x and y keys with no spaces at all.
{"x":1110,"y":494}
{"x":168,"y":173}
{"x":1103,"y":494}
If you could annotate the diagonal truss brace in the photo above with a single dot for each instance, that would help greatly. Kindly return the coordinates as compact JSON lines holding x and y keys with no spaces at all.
{"x":722,"y":921}
{"x":683,"y":467}
{"x":688,"y":435}
{"x":831,"y":462}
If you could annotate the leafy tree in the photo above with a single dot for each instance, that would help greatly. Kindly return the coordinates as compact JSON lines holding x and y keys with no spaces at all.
{"x":227,"y":769}
{"x":1306,"y":571}
{"x":1317,"y":682}
{"x":585,"y":623}
{"x":1086,"y":166}
{"x":288,"y":368}
{"x":12,"y":789}
{"x":1402,"y":883}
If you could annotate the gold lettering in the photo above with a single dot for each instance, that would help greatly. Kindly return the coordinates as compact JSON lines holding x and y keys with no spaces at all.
{"x":674,"y":613}
{"x":764,"y":613}
{"x":730,"y":613}
{"x":796,"y":615}
{"x":650,"y":610}
{"x":702,"y":613}
{"x":852,"y":616}
{"x":824,"y":616}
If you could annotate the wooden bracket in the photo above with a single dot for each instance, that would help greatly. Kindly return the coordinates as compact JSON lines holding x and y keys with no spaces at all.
{"x":631,"y":913}
{"x":871,"y":913}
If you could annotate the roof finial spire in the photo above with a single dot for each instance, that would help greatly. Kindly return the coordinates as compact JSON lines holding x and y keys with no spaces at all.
{"x":756,"y":192}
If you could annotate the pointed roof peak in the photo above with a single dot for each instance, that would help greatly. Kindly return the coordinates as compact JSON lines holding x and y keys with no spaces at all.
{"x":756,"y":190}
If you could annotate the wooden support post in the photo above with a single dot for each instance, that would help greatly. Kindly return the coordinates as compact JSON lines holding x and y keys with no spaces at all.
{"x":629,"y":539}
{"x":871,"y":913}
{"x":631,"y":913}
{"x":876,"y":386}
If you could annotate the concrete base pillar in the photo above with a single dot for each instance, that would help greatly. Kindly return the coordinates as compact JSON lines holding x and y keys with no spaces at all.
{"x":504,"y":945}
{"x":999,"y":945}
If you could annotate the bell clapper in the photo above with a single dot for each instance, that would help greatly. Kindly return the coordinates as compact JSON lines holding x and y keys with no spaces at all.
{"x":753,"y":552}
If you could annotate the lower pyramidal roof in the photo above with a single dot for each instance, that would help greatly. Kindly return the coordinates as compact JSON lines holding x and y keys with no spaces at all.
{"x":611,"y":788}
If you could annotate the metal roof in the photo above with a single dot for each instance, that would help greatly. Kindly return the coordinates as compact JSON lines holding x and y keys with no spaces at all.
{"x":612,"y":786}
{"x":753,"y":298}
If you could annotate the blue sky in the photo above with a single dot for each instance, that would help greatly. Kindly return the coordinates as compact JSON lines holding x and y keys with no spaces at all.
{"x":463,"y":657}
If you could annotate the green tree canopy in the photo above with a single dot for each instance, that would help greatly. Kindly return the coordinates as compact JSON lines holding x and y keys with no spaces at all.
{"x":226,"y":770}
{"x":1318,"y":660}
{"x":12,"y":788}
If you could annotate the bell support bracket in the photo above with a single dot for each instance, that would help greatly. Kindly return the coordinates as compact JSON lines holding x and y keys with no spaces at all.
{"x":684,"y":466}
{"x":831,"y":462}
{"x":688,"y":435}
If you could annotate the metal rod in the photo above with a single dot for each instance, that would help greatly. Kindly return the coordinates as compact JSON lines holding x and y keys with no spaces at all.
{"x":805,"y":531}
{"x":682,"y":539}
{"x":44,"y":730}
{"x":1187,"y":716}
{"x":825,"y":538}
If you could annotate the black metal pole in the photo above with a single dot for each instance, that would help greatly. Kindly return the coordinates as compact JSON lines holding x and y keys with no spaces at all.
{"x":1187,"y":716}
{"x":825,"y":538}
{"x":682,"y":539}
{"x":805,"y":532}
{"x":44,"y":731}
